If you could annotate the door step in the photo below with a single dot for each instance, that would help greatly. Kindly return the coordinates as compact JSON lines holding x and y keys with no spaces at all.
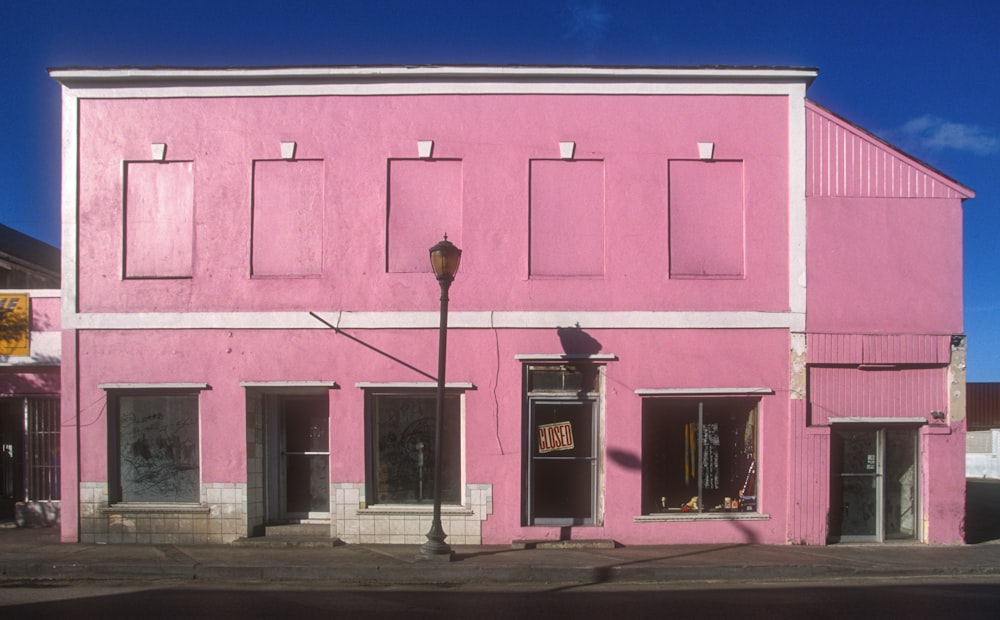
{"x":311,"y":530}
{"x":563,"y":544}
{"x":302,"y":535}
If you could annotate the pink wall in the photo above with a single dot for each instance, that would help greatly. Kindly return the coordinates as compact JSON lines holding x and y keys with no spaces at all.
{"x":879,"y":265}
{"x":688,"y":358}
{"x":494,"y":137}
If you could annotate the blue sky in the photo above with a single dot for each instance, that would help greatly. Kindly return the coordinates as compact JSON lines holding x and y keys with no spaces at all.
{"x":924,"y":75}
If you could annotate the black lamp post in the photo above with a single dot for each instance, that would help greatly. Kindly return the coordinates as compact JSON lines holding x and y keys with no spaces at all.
{"x":445,"y":258}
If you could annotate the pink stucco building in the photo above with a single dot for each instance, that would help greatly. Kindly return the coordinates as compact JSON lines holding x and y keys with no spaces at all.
{"x":30,"y":342}
{"x":693,"y":306}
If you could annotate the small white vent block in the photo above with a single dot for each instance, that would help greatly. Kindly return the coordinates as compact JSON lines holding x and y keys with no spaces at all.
{"x":566,"y":149}
{"x":706,"y":150}
{"x":425,"y":149}
{"x":288,"y":150}
{"x":159,"y":151}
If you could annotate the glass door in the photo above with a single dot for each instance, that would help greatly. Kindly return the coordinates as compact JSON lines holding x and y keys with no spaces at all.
{"x":858,"y":483}
{"x":562,"y":478}
{"x":873,"y":493}
{"x":900,"y":484}
{"x":299,"y":459}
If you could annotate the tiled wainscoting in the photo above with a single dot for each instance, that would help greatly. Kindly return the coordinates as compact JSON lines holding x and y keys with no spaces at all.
{"x":355,"y":522}
{"x":219,"y":518}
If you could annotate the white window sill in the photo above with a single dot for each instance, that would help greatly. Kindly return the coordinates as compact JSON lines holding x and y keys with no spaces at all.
{"x":703,"y":516}
{"x":155,"y":508}
{"x":414,"y":509}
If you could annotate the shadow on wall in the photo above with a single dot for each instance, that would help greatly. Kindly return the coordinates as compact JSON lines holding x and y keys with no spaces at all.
{"x":982,"y":510}
{"x":575,"y":341}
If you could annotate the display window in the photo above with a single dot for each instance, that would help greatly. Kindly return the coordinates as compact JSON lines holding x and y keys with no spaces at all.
{"x":156,"y":456}
{"x":699,"y":456}
{"x":400,"y":450}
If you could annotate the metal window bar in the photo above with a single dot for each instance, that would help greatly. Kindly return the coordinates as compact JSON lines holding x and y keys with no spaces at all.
{"x":42,"y":447}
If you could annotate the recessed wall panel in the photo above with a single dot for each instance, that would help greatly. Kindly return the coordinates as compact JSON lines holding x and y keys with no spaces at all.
{"x":707,"y":231}
{"x":159,"y":220}
{"x":425,"y":203}
{"x":567,"y":218}
{"x":287,"y":219}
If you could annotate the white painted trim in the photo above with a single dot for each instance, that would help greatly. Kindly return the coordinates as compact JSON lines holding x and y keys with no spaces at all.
{"x":412,"y":385}
{"x":153,"y":386}
{"x":389,"y":72}
{"x":431,"y":320}
{"x":697,"y":87}
{"x":289,"y":384}
{"x":797,"y":148}
{"x":710,"y":391}
{"x":565,"y":357}
{"x":401,"y":79}
{"x":33,"y":293}
{"x":70,"y":168}
{"x":913,"y":420}
{"x":404,"y":80}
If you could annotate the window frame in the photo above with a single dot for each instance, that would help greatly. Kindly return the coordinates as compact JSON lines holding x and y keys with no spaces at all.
{"x":372,"y":392}
{"x":115,"y":393}
{"x":714,"y":398}
{"x":589,"y":393}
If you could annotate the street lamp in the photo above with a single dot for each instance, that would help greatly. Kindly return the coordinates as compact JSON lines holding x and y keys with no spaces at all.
{"x":445,"y":258}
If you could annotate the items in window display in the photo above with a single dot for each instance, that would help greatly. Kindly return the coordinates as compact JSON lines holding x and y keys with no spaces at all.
{"x":715,"y":458}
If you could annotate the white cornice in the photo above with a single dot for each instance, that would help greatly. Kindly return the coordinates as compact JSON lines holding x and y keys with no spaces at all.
{"x":385,"y":80}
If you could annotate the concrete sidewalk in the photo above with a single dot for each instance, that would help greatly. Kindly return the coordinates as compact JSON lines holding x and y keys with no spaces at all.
{"x":37,"y":555}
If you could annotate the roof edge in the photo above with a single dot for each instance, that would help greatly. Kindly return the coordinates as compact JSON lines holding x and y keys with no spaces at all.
{"x":92,"y":77}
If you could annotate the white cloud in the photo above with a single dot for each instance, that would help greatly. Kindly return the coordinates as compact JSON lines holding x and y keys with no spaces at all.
{"x":588,"y":20}
{"x":932,"y":132}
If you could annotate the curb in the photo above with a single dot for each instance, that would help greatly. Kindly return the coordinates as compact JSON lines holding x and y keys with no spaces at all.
{"x":391,"y":575}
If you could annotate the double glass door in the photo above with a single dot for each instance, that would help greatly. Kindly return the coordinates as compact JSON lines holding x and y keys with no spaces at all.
{"x":874,"y":485}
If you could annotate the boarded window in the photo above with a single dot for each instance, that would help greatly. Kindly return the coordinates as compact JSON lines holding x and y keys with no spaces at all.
{"x":424,"y":204}
{"x":706,"y":219}
{"x":159,"y":219}
{"x":567,"y":218}
{"x":287,"y":235}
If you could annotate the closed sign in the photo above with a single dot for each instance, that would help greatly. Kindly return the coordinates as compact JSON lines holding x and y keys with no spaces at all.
{"x":552,"y":437}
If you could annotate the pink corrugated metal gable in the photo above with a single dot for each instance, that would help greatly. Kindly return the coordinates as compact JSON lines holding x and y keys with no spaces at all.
{"x":844,"y":160}
{"x":854,"y":349}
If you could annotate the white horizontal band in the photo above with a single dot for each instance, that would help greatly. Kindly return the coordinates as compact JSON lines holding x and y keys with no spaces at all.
{"x":430,"y":320}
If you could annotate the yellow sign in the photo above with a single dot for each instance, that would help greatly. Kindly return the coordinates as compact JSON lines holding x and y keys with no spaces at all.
{"x":15,"y":324}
